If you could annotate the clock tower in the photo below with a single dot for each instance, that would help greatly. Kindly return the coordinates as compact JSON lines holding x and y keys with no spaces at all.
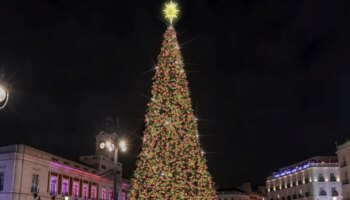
{"x":103,"y":159}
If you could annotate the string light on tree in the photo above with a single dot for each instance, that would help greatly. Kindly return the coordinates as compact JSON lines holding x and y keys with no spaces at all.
{"x":171,"y":164}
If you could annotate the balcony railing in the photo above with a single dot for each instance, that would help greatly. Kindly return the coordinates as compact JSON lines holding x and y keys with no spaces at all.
{"x":332,"y":179}
{"x":323,"y":193}
{"x":335,"y":193}
{"x":34,"y":189}
{"x":64,"y":194}
{"x":321,"y":179}
{"x":53,"y":193}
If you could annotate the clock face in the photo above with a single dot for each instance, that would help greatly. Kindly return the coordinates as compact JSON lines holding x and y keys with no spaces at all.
{"x":111,"y":147}
{"x":102,"y":145}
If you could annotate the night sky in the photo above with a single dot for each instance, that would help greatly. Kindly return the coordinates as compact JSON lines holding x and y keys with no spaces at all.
{"x":269,"y":80}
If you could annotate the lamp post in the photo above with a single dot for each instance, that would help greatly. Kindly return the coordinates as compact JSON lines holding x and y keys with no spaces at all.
{"x":4,"y":94}
{"x":113,"y":145}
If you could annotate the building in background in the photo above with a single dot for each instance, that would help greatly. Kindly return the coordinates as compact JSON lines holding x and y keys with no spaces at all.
{"x":343,"y":153}
{"x":244,"y":192}
{"x":314,"y":179}
{"x":26,"y":172}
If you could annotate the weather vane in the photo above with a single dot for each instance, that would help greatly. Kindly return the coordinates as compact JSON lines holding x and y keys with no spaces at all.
{"x":171,"y":11}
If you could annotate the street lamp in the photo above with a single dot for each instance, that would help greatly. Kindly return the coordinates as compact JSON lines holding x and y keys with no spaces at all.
{"x":113,"y":145}
{"x":4,"y":96}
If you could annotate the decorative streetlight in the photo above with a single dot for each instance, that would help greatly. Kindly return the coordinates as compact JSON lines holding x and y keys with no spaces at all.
{"x":114,"y":145}
{"x":4,"y":94}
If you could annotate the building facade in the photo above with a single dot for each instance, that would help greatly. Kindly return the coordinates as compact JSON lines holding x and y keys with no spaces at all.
{"x":314,"y":179}
{"x":232,"y":194}
{"x":26,"y":172}
{"x":343,"y":153}
{"x":244,"y":192}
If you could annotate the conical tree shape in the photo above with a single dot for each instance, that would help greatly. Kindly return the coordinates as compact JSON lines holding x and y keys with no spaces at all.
{"x":171,"y":164}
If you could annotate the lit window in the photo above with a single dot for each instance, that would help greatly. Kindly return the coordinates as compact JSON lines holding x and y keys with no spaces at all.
{"x":65,"y":186}
{"x":85,"y":192}
{"x":93,"y":193}
{"x":75,"y":189}
{"x":53,"y":186}
{"x":111,"y":194}
{"x":104,"y":195}
{"x":2,"y":181}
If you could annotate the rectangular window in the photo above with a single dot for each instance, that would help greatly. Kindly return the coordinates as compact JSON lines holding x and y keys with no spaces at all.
{"x":332,"y":177}
{"x":65,"y":186}
{"x":124,"y":196}
{"x":320,"y":177}
{"x":322,"y":192}
{"x":85,"y":192}
{"x":104,"y":194}
{"x":93,"y":193}
{"x":35,"y":183}
{"x":334,"y":192}
{"x":75,"y":189}
{"x":53,"y":186}
{"x":2,"y":177}
{"x":111,"y":194}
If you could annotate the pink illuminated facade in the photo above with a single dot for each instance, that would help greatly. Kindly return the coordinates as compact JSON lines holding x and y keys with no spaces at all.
{"x":25,"y":171}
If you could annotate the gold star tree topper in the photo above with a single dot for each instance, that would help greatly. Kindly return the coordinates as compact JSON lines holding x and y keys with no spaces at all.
{"x":171,"y":11}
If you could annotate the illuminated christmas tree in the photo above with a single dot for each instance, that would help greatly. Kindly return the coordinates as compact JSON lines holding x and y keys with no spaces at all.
{"x":171,"y":164}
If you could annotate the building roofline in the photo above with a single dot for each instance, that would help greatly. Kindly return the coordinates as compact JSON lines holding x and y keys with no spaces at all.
{"x":32,"y":151}
{"x":305,"y":164}
{"x":231,"y":190}
{"x":342,"y":146}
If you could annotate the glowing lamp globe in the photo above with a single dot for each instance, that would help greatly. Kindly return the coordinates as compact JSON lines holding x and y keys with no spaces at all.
{"x":122,"y":145}
{"x":102,"y":145}
{"x":3,"y":94}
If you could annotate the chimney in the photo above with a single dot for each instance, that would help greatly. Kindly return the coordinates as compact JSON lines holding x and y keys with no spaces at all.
{"x":262,"y":189}
{"x":246,"y":187}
